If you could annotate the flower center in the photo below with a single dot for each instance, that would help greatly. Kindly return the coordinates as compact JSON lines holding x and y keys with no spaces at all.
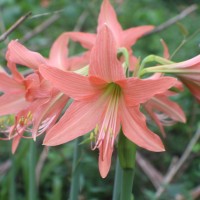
{"x":105,"y":132}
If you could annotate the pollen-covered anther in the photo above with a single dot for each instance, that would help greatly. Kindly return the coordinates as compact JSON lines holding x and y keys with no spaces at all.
{"x":111,"y":133}
{"x":30,"y":116}
{"x":93,"y":137}
{"x":23,"y":121}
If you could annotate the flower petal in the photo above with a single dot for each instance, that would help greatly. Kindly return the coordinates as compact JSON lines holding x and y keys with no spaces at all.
{"x":15,"y":142}
{"x":104,"y":164}
{"x":87,"y":40}
{"x":135,"y":129}
{"x":104,"y":62}
{"x":8,"y":84}
{"x":46,"y":115}
{"x":155,"y":119}
{"x":15,"y":73}
{"x":77,"y":62}
{"x":193,"y":86}
{"x":74,"y":85}
{"x":19,"y":54}
{"x":79,"y":119}
{"x":192,"y":63}
{"x":138,"y":91}
{"x":162,"y":104}
{"x":107,"y":15}
{"x":106,"y":149}
{"x":165,"y":49}
{"x":12,"y":103}
{"x":131,"y":35}
{"x":59,"y":52}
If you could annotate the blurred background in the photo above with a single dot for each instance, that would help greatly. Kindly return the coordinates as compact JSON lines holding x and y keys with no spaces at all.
{"x":49,"y":19}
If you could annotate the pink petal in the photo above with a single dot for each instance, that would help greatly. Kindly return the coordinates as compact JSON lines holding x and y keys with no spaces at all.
{"x":155,"y":118}
{"x":74,"y":85}
{"x":193,"y":86}
{"x":87,"y":40}
{"x":104,"y":164}
{"x":77,"y":62}
{"x":15,"y":73}
{"x":107,"y":15}
{"x":192,"y":63}
{"x":12,"y":103}
{"x":46,"y":115}
{"x":106,"y":149}
{"x":166,"y":50}
{"x":59,"y":52}
{"x":130,"y":36}
{"x":79,"y":119}
{"x":8,"y":84}
{"x":19,"y":54}
{"x":162,"y":104}
{"x":135,"y":129}
{"x":104,"y":62}
{"x":15,"y":143}
{"x":138,"y":91}
{"x":37,"y":87}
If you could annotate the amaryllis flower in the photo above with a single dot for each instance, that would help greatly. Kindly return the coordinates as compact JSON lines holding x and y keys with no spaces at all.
{"x":124,"y":38}
{"x":104,"y":101}
{"x":58,"y":56}
{"x":187,"y":71}
{"x":35,"y":103}
{"x":21,"y":93}
{"x":162,"y":110}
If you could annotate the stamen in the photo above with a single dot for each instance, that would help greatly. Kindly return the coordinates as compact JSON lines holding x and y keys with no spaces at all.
{"x":106,"y":134}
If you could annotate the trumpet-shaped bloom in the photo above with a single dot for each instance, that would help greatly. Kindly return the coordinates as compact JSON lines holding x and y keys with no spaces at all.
{"x":187,"y":71}
{"x":104,"y":101}
{"x":162,"y":110}
{"x":33,"y":100}
{"x":22,"y":94}
{"x":124,"y":38}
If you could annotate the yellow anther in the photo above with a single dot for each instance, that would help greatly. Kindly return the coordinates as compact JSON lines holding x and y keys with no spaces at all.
{"x":25,"y":121}
{"x":111,"y":132}
{"x":96,"y":130}
{"x":30,"y":115}
{"x":21,"y":120}
{"x":92,"y":135}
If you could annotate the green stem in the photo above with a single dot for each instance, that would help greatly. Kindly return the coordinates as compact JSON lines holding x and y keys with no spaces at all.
{"x":75,"y":183}
{"x":118,"y":181}
{"x":152,"y":58}
{"x":127,"y":156}
{"x":12,"y":195}
{"x":127,"y":184}
{"x":32,"y":191}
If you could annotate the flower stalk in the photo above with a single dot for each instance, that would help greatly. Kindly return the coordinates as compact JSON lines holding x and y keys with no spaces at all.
{"x":152,"y":58}
{"x":75,"y":183}
{"x":12,"y":195}
{"x":118,"y":181}
{"x":32,"y":190}
{"x":127,"y":156}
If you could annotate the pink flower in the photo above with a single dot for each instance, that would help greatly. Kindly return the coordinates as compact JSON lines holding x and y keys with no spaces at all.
{"x":33,"y":100}
{"x":104,"y":101}
{"x":187,"y":71}
{"x":162,"y":110}
{"x":124,"y":38}
{"x":21,"y":94}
